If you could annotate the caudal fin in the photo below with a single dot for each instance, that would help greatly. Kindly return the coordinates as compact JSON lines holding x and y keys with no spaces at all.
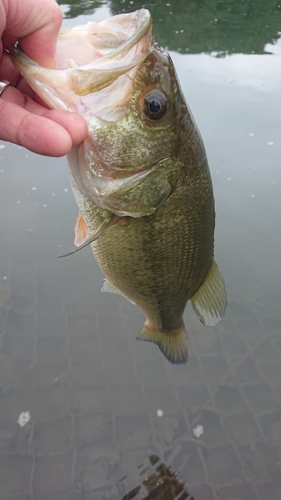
{"x":172,"y":344}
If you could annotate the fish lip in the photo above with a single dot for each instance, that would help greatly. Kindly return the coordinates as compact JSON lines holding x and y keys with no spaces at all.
{"x":135,"y":48}
{"x":143,"y":21}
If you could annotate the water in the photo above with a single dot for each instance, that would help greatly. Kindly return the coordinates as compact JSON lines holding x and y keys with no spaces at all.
{"x":110,"y":418}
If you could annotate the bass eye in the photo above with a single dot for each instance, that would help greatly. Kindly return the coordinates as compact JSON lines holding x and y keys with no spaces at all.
{"x":155,"y":105}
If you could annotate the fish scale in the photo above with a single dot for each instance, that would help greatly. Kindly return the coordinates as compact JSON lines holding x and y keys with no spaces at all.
{"x":156,"y":267}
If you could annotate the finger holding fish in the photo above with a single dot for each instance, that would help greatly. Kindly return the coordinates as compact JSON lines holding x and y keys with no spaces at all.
{"x":24,"y":119}
{"x":26,"y":122}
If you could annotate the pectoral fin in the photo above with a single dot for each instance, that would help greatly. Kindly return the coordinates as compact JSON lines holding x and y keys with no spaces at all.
{"x":103,"y":227}
{"x":209,"y":301}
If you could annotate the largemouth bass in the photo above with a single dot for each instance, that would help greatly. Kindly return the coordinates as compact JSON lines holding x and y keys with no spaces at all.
{"x":141,"y":178}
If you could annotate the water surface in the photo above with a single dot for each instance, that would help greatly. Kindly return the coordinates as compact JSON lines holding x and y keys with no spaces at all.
{"x":110,"y":418}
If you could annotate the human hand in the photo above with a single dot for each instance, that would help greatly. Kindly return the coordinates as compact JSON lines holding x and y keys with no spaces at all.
{"x":24,"y":119}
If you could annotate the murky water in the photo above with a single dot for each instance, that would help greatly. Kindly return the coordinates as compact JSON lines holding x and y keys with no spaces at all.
{"x":110,"y":418}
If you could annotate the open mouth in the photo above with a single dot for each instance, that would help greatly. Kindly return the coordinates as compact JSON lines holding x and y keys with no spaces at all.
{"x":96,"y":64}
{"x":89,"y":58}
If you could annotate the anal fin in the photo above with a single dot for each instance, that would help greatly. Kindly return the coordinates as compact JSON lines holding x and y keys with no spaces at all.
{"x":209,"y":301}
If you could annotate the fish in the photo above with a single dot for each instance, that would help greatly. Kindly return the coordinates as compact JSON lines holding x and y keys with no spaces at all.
{"x":140,"y":178}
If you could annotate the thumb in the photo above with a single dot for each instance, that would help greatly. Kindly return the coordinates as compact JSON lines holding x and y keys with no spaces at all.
{"x":35,"y":24}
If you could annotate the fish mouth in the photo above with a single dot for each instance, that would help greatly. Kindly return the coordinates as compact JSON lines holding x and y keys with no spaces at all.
{"x":103,"y":44}
{"x":89,"y":59}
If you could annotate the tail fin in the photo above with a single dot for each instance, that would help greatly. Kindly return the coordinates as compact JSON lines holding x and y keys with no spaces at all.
{"x":172,"y":344}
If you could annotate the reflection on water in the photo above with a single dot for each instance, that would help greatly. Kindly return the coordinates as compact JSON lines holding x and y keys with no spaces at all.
{"x":99,"y":404}
{"x":224,"y":27}
{"x":73,"y":8}
{"x":160,"y":484}
{"x":220,"y":26}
